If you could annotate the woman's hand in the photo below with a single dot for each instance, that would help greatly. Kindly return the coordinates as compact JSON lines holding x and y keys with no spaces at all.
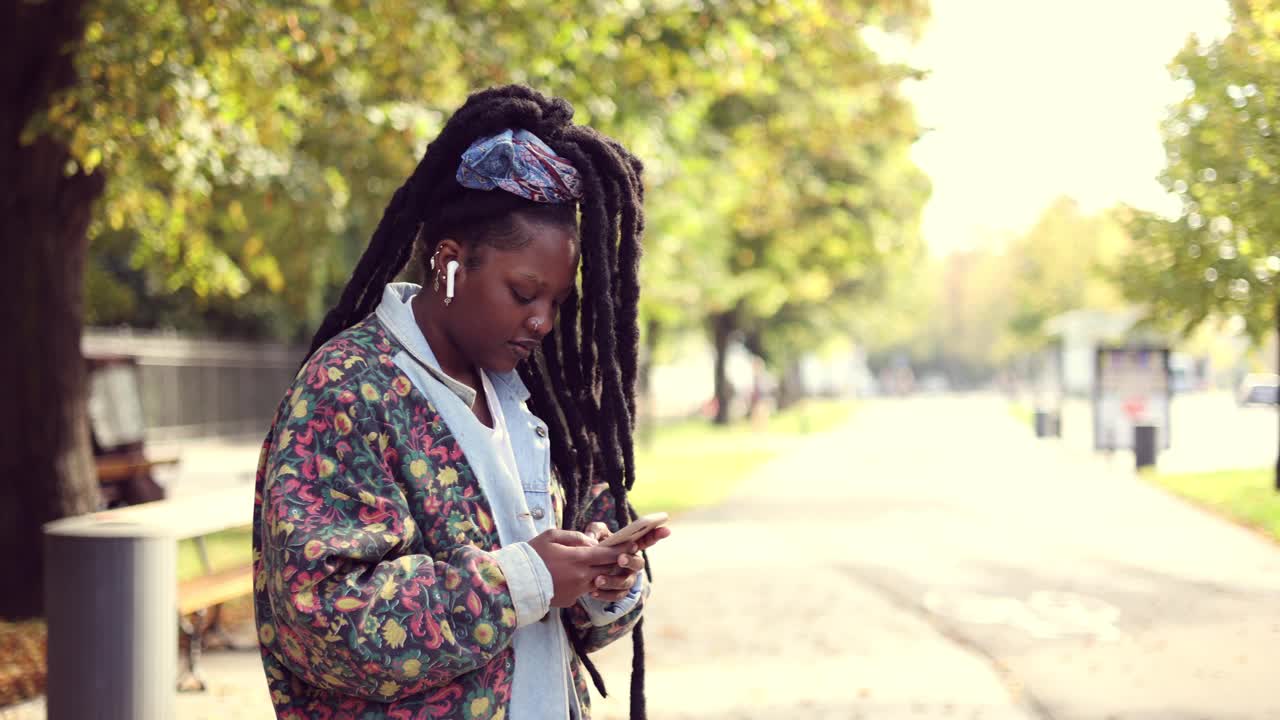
{"x":614,"y":585}
{"x":574,"y":560}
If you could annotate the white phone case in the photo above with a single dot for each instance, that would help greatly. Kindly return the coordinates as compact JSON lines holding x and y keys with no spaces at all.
{"x":636,"y":529}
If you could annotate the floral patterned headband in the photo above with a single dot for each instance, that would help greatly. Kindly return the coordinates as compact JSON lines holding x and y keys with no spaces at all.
{"x":520,"y":163}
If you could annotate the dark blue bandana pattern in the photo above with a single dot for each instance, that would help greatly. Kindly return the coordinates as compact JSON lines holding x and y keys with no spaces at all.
{"x":520,"y":163}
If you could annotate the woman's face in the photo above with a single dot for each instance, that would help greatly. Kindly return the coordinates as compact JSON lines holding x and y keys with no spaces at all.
{"x":505,"y":307}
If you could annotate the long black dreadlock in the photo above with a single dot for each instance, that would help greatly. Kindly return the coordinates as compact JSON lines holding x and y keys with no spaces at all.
{"x":582,"y":381}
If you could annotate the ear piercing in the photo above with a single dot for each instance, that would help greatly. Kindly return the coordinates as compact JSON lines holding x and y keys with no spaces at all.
{"x":451,"y":270}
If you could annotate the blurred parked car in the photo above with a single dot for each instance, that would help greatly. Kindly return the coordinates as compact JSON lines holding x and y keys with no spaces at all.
{"x":1259,"y":389}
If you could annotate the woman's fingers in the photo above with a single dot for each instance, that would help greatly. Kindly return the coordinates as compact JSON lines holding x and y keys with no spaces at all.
{"x":653,"y":536}
{"x":569,"y":537}
{"x":613,"y":587}
{"x":631,"y":561}
{"x":614,"y":582}
{"x":598,"y":530}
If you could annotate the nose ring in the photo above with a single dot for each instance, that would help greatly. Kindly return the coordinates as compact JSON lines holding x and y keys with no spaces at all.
{"x":535,"y":323}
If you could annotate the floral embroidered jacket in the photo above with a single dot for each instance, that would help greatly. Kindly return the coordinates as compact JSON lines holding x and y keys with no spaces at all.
{"x":376,"y":591}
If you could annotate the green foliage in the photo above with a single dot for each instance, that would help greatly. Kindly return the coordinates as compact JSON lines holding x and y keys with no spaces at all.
{"x":251,"y":147}
{"x":909,"y":299}
{"x":971,"y":312}
{"x":822,"y":190}
{"x":1221,"y":256}
{"x":1058,"y":266}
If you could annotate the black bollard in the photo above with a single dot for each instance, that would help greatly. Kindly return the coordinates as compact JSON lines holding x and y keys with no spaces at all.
{"x":1144,"y":446}
{"x":1042,"y":423}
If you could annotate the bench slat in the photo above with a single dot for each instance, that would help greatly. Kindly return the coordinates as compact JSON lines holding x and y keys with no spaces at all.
{"x":209,"y":590}
{"x":117,"y":469}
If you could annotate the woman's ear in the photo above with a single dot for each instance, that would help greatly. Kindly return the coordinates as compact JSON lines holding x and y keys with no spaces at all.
{"x":447,"y":249}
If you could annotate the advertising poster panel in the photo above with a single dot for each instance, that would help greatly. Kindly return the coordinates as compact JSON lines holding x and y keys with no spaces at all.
{"x":1131,"y":387}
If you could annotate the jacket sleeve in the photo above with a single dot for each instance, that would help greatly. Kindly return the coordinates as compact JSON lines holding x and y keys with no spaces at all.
{"x":355,"y":610}
{"x":602,"y":623}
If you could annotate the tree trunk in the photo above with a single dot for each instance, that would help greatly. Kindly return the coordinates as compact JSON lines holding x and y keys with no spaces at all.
{"x":46,"y":463}
{"x":722,"y":327}
{"x":790,"y":385}
{"x":754,"y":343}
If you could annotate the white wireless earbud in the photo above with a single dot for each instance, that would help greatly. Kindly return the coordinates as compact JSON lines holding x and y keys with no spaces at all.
{"x":450,"y":269}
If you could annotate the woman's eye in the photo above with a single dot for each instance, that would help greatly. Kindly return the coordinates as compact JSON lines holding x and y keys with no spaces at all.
{"x":520,"y":298}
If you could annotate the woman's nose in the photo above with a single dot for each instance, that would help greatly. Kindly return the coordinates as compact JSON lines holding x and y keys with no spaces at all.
{"x":543,"y":319}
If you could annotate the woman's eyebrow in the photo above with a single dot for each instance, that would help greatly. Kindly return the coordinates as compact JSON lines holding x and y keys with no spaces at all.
{"x":534,"y":278}
{"x":542,"y":284}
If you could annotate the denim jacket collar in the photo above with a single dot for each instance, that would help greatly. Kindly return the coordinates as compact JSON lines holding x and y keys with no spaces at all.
{"x":396,"y":313}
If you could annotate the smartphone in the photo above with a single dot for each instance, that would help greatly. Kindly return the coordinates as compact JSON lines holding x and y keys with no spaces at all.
{"x":636,"y":529}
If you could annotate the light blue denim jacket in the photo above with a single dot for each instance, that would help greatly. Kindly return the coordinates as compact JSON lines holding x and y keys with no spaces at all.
{"x":541,"y":686}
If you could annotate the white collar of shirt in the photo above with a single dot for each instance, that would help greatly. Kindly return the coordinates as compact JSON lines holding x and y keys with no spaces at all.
{"x":396,"y":313}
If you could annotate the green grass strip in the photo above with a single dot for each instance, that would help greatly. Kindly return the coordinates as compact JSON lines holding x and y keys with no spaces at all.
{"x":227,"y":549}
{"x":1248,"y":497}
{"x":693,"y":464}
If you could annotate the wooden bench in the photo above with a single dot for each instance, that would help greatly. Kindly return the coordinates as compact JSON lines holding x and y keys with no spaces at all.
{"x":196,"y":598}
{"x":125,"y":478}
{"x":208,"y":591}
{"x":119,"y":469}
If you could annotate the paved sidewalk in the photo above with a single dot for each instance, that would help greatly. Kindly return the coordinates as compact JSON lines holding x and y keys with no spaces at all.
{"x":800,"y":637}
{"x":930,"y":560}
{"x":755,"y":615}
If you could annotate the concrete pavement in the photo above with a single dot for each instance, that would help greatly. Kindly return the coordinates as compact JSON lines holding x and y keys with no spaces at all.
{"x":932,"y":559}
{"x":935,"y":560}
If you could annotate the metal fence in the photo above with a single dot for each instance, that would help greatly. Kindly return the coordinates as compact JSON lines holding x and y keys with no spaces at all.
{"x":194,"y":388}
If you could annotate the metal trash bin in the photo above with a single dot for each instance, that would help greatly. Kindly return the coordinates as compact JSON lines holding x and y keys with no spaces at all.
{"x":110,"y":594}
{"x":1048,"y":423}
{"x":1144,"y":446}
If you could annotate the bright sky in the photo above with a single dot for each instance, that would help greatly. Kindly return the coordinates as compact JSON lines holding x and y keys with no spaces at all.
{"x":1031,"y":99}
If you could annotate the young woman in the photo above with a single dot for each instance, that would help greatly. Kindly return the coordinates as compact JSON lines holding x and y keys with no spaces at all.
{"x":434,"y":490}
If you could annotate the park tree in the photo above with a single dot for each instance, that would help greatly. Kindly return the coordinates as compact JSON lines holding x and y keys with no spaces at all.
{"x":1220,"y":257}
{"x":218,"y":167}
{"x":1058,"y":265}
{"x":903,"y":320}
{"x":141,"y":125}
{"x":976,"y":311}
{"x":47,"y":204}
{"x":813,"y":175}
{"x":949,"y":314}
{"x":972,"y":333}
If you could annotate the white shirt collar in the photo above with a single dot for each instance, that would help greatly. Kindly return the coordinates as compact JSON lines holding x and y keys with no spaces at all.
{"x":396,"y":314}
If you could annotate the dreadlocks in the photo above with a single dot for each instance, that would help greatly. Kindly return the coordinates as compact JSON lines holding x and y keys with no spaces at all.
{"x":582,"y":381}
